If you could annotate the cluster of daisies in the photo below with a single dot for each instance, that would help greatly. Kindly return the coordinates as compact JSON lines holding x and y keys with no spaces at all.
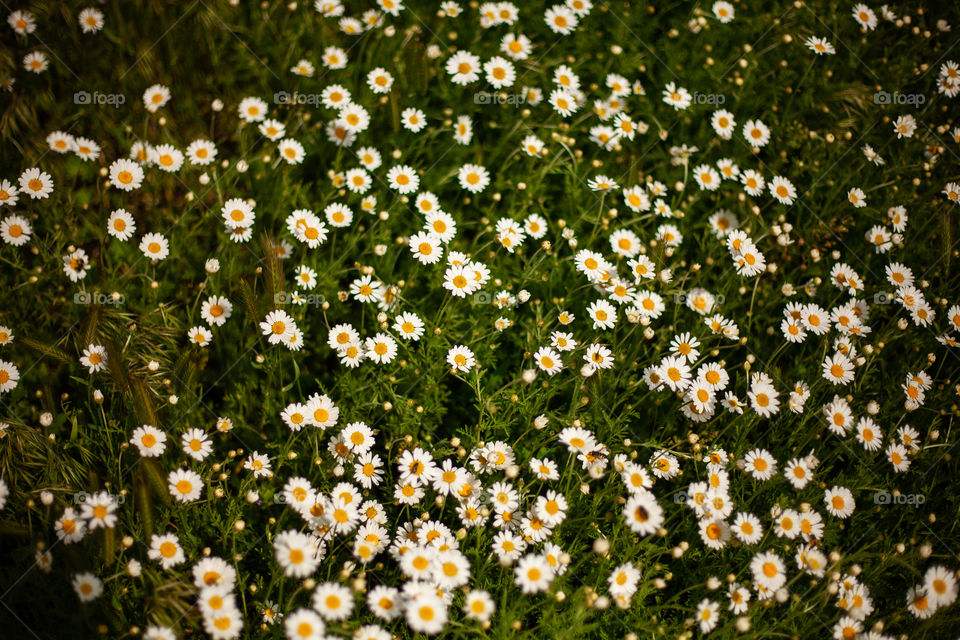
{"x":419,"y":521}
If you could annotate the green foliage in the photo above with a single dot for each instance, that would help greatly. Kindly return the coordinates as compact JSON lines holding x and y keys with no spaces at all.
{"x":821,"y":110}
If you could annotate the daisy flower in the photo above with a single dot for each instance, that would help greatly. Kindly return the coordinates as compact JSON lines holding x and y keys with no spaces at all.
{"x":196,"y":444}
{"x":603,"y":314}
{"x":561,"y":19}
{"x":201,"y":152}
{"x":820,"y":46}
{"x":298,"y":554}
{"x":291,"y":151}
{"x":150,"y":441}
{"x":126,"y":175}
{"x":756,"y":133}
{"x":304,"y":624}
{"x":783,"y":190}
{"x":22,"y":22}
{"x":865,"y":17}
{"x":216,"y":310}
{"x":168,"y":157}
{"x":86,"y":149}
{"x":36,"y":62}
{"x":548,"y":360}
{"x":166,"y":550}
{"x":121,"y":225}
{"x":379,"y":80}
{"x":366,"y":289}
{"x":838,"y":369}
{"x":723,"y":123}
{"x":252,"y":109}
{"x":9,"y":377}
{"x":905,"y":126}
{"x":478,"y":605}
{"x":533,"y":574}
{"x":474,"y":178}
{"x":602,"y":183}
{"x":677,"y":97}
{"x":338,"y":215}
{"x":154,"y":246}
{"x":99,"y":510}
{"x":303,"y":68}
{"x":463,"y":67}
{"x":9,"y":194}
{"x":499,"y":72}
{"x":259,"y":464}
{"x":768,"y":570}
{"x":333,"y":601}
{"x":940,"y":583}
{"x":36,"y":183}
{"x":409,"y":326}
{"x":15,"y":230}
{"x":403,"y":179}
{"x":271,"y":129}
{"x":839,"y":501}
{"x":425,"y":247}
{"x":155,"y":97}
{"x":517,"y":46}
{"x":426,"y":612}
{"x":563,"y":102}
{"x":459,"y":281}
{"x":643,"y":514}
{"x":708,"y":610}
{"x":381,"y":348}
{"x":70,"y":527}
{"x":87,"y":586}
{"x":461,"y":358}
{"x":764,"y":399}
{"x":760,"y":464}
{"x":94,"y":358}
{"x":184,"y":485}
{"x":798,"y":473}
{"x":199,"y":336}
{"x":278,"y":326}
{"x":724,"y":13}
